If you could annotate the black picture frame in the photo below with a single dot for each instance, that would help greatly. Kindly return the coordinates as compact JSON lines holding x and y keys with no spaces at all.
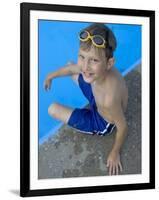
{"x":25,"y":9}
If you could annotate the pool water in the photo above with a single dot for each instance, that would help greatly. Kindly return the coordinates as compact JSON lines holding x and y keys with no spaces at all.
{"x":57,"y":44}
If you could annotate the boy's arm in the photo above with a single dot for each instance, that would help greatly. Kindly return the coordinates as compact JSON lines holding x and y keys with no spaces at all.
{"x":113,"y":160}
{"x":70,"y":69}
{"x":74,"y":76}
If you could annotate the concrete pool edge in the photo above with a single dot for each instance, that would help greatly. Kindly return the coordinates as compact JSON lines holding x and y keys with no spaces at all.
{"x":52,"y":132}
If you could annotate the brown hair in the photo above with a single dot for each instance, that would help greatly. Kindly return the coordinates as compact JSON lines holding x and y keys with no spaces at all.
{"x":106,"y":33}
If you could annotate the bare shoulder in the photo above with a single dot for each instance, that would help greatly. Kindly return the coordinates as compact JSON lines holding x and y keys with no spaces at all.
{"x":117,"y":81}
{"x":117,"y":90}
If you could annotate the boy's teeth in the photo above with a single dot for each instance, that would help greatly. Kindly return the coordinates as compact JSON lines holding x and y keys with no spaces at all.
{"x":88,"y":74}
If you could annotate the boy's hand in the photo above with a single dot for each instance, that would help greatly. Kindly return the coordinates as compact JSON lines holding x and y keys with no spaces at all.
{"x":113,"y":163}
{"x":47,"y":83}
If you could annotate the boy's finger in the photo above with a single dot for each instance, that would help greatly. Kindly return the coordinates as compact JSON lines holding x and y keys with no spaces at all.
{"x":113,"y":170}
{"x":117,"y":170}
{"x":45,"y":86}
{"x":120,"y":166}
{"x":110,"y":170}
{"x":107,"y":165}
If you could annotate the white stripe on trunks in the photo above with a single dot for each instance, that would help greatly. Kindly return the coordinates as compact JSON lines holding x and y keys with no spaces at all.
{"x":91,"y":133}
{"x":105,"y":129}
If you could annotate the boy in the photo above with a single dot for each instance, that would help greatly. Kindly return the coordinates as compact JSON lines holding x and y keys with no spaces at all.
{"x":102,"y":85}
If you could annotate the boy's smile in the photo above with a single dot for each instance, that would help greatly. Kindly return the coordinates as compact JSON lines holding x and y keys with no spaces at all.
{"x":87,"y":74}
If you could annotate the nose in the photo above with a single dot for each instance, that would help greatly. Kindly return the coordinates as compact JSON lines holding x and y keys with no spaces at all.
{"x":86,"y":65}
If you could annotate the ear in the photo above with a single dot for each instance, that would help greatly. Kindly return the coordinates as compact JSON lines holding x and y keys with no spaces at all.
{"x":110,"y":63}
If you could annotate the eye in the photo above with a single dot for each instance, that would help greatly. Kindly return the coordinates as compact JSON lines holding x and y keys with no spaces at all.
{"x":94,"y":60}
{"x":81,"y":56}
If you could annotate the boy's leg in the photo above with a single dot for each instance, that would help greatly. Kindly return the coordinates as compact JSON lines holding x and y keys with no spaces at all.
{"x":60,"y":112}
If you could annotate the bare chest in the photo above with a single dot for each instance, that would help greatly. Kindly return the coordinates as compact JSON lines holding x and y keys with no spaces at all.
{"x":100,"y":97}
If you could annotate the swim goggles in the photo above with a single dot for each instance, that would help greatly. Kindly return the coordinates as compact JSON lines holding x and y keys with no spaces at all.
{"x":97,"y":40}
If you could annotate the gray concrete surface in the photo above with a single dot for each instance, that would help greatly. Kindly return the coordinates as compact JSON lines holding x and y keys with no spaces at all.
{"x":73,"y":154}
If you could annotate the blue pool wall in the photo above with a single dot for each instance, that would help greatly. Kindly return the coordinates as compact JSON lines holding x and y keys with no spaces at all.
{"x":57,"y":44}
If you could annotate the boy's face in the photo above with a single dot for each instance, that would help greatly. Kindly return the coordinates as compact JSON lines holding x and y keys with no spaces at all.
{"x":93,"y":67}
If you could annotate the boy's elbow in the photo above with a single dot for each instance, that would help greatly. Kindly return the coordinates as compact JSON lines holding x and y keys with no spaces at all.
{"x":125,"y":128}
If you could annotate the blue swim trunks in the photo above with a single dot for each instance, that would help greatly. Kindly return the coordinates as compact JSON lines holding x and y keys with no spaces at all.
{"x":89,"y":120}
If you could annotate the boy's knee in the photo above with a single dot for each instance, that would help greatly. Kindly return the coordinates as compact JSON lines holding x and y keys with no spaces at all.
{"x":53,"y":109}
